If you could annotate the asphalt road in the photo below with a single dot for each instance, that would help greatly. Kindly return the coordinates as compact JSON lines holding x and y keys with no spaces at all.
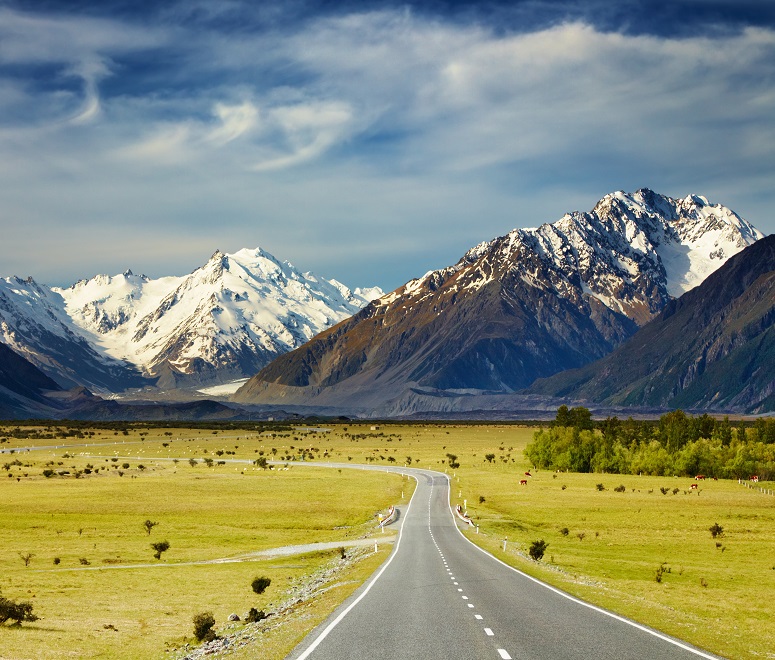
{"x":439,"y":596}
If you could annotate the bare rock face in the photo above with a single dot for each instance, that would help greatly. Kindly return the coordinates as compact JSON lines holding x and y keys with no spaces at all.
{"x":525,"y":305}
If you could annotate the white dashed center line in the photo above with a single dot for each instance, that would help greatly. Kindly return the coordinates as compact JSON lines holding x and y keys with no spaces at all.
{"x":504,"y":654}
{"x":478,"y":617}
{"x":489,"y":632}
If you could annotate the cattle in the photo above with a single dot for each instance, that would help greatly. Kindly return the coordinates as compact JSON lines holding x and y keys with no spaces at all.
{"x":755,"y":478}
{"x":523,"y":482}
{"x":693,"y":487}
{"x":700,"y":477}
{"x":527,"y":474}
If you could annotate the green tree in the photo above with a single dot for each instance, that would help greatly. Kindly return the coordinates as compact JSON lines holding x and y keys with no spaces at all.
{"x":12,"y":611}
{"x":260,"y":584}
{"x":159,"y":547}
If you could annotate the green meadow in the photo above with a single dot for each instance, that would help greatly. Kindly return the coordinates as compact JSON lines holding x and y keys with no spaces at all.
{"x":642,"y":553}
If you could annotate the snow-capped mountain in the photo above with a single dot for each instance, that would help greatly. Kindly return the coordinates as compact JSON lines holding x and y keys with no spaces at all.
{"x":34,"y":323}
{"x":224,"y":321}
{"x":525,"y":305}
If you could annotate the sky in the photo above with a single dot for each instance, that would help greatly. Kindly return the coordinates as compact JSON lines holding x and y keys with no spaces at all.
{"x":365,"y":141}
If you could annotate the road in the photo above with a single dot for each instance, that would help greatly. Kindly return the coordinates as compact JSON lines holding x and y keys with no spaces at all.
{"x":439,"y":596}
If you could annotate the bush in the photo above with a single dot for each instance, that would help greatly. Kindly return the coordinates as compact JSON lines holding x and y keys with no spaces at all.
{"x":600,"y":487}
{"x":537,"y":549}
{"x":203,"y":626}
{"x":254,"y":615}
{"x":620,"y":489}
{"x":48,"y":473}
{"x":260,"y":584}
{"x":13,"y":611}
{"x":565,"y":531}
{"x":159,"y":547}
{"x":716,"y":530}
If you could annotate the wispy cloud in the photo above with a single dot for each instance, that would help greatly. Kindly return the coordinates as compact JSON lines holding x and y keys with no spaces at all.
{"x":379,"y":132}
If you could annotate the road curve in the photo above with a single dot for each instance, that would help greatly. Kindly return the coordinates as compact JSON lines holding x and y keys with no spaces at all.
{"x":440,"y":596}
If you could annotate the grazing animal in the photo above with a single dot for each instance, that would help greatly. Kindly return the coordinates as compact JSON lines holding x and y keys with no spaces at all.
{"x":527,"y":474}
{"x":523,"y":482}
{"x":693,"y":487}
{"x":700,"y":477}
{"x":755,"y":478}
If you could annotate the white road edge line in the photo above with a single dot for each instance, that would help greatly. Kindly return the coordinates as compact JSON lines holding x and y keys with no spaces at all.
{"x":338,"y":619}
{"x":578,"y":601}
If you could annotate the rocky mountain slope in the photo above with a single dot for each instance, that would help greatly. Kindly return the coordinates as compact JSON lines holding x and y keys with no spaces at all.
{"x":224,"y":321}
{"x":522,"y":306}
{"x":714,"y":348}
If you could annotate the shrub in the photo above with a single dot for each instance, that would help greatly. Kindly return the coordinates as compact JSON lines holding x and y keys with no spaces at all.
{"x":661,"y":570}
{"x":260,"y":584}
{"x":537,"y":549}
{"x":13,"y":611}
{"x":203,"y":626}
{"x":620,"y":489}
{"x":159,"y":547}
{"x":565,"y":531}
{"x":48,"y":473}
{"x":342,"y":553}
{"x":716,"y":530}
{"x":149,"y":525}
{"x":664,"y":490}
{"x":84,"y":561}
{"x":254,"y":615}
{"x":57,"y":561}
{"x":26,"y":557}
{"x":600,"y":487}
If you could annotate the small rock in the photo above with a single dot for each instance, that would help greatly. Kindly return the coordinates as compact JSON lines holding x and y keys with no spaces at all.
{"x":234,"y":617}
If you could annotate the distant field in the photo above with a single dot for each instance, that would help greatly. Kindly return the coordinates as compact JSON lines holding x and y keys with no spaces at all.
{"x":715,"y":593}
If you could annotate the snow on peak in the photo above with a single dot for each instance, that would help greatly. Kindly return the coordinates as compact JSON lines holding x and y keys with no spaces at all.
{"x":243,"y":304}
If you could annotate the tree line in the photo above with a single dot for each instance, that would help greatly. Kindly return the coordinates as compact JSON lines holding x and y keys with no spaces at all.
{"x":676,"y":444}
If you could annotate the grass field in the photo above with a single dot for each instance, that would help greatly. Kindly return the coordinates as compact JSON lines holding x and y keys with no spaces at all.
{"x":126,"y":604}
{"x":716,"y":593}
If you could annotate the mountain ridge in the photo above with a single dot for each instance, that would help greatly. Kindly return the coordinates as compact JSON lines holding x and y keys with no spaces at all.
{"x":524,"y":305}
{"x":223,"y":321}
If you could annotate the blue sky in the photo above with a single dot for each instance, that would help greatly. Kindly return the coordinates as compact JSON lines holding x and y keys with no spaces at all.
{"x":366,"y":141}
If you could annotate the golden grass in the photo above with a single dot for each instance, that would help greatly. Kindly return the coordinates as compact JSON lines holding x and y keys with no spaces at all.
{"x":210,"y":512}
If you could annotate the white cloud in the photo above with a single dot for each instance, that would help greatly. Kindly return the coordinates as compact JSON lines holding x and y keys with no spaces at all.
{"x":411,"y":132}
{"x":235,"y":120}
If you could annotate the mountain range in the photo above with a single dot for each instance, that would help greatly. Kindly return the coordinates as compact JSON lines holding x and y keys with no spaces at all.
{"x":645,"y":300}
{"x":523,"y":306}
{"x":222,"y":322}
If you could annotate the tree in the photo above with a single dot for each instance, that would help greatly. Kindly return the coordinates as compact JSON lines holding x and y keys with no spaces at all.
{"x":452,"y":458}
{"x":26,"y":557}
{"x":159,"y":547}
{"x":537,"y":549}
{"x":203,"y":626}
{"x":260,"y":584}
{"x":149,"y":525}
{"x":13,"y":611}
